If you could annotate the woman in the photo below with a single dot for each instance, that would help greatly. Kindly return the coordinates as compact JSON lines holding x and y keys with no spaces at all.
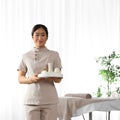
{"x":41,"y":97}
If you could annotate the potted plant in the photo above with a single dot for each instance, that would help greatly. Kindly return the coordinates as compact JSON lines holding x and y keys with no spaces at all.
{"x":110,"y":72}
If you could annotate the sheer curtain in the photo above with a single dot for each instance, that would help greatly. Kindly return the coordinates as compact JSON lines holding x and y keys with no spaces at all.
{"x":80,"y":30}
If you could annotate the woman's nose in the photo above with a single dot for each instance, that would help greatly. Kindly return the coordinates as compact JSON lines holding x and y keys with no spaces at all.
{"x":39,"y":37}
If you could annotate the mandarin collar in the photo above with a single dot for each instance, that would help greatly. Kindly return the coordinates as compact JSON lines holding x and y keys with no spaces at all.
{"x":39,"y":49}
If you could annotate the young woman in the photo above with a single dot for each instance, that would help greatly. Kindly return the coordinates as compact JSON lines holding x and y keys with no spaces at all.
{"x":41,"y":97}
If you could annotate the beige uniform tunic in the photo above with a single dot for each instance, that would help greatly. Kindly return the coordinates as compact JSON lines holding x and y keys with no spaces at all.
{"x":33,"y":62}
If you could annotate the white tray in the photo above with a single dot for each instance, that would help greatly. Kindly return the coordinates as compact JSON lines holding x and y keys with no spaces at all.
{"x":50,"y":75}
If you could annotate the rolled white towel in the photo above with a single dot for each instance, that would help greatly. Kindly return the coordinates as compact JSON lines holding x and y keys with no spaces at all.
{"x":81,"y":95}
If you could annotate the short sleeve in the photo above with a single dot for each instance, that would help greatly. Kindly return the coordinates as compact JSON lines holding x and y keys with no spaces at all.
{"x":22,"y":66}
{"x":57,"y":62}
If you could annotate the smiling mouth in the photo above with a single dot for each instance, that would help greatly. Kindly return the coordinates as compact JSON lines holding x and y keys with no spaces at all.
{"x":40,"y":42}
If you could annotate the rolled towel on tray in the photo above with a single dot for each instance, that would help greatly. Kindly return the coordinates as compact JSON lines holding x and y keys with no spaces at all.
{"x":81,"y":95}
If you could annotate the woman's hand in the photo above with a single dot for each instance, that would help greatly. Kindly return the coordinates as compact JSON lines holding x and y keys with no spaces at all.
{"x":55,"y":79}
{"x":33,"y":79}
{"x":27,"y":80}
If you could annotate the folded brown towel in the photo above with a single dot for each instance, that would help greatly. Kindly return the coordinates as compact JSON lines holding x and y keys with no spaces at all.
{"x":81,"y":95}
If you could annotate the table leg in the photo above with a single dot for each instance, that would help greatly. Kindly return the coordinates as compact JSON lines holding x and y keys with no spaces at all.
{"x":108,"y":115}
{"x":90,"y":115}
{"x":83,"y":117}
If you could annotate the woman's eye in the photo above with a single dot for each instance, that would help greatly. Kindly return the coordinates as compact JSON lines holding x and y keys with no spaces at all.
{"x":37,"y":35}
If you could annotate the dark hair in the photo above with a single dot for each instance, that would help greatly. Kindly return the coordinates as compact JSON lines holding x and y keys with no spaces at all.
{"x":39,"y":26}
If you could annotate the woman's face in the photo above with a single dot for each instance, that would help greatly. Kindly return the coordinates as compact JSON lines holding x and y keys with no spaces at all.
{"x":39,"y":38}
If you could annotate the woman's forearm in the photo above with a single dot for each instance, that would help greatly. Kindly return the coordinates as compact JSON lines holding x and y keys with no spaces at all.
{"x":24,"y":80}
